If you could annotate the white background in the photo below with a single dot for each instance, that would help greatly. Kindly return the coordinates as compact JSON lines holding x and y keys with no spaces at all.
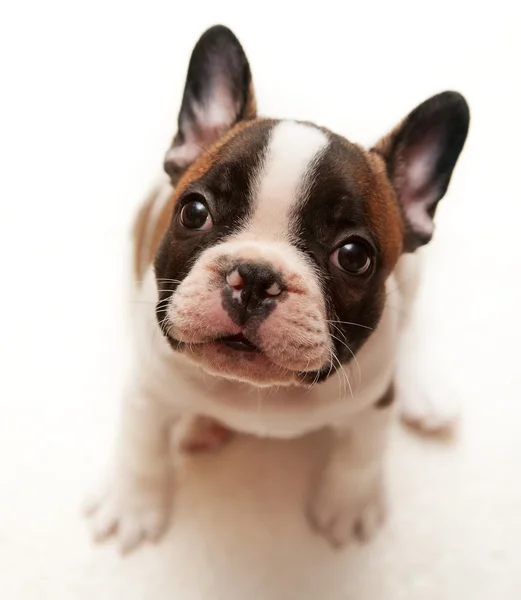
{"x":88,"y":104}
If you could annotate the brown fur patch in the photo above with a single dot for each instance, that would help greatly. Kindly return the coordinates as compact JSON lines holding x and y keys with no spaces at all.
{"x":382,"y":208}
{"x":380,"y":154}
{"x":141,"y":223}
{"x":384,"y":213}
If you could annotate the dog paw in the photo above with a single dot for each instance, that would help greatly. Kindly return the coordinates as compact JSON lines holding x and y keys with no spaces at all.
{"x":342,"y":512}
{"x":427,"y":397}
{"x":132,"y":513}
{"x":432,"y":422}
{"x":431,"y":411}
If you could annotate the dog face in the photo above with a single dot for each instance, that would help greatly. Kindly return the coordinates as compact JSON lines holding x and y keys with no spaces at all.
{"x":283,"y":234}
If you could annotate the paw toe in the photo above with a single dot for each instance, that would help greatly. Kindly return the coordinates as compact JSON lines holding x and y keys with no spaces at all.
{"x":130,"y":518}
{"x":369,"y":522}
{"x":430,"y":422}
{"x":154,"y":525}
{"x":104,"y":522}
{"x":340,"y":519}
{"x":130,"y":534}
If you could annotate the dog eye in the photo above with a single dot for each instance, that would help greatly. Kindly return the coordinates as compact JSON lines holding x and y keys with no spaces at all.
{"x":195,"y":214}
{"x":353,"y":258}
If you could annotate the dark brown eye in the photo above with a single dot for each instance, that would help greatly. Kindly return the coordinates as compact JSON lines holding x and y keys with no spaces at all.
{"x":353,"y":258}
{"x":195,"y":214}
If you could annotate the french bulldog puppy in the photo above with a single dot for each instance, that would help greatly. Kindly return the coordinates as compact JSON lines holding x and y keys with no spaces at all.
{"x":265,"y":264}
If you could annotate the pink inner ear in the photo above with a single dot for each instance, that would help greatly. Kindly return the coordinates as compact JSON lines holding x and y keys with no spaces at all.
{"x":183,"y":155}
{"x":217,"y":113}
{"x":418,"y":192}
{"x":210,"y":120}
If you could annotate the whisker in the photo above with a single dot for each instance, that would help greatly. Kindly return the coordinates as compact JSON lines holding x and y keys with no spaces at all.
{"x":303,"y":377}
{"x":156,"y":302}
{"x":352,"y":354}
{"x":204,"y":149}
{"x":162,"y":304}
{"x":314,"y":382}
{"x":164,"y":279}
{"x":345,"y":379}
{"x":350,"y":323}
{"x":332,"y":366}
{"x":341,"y":368}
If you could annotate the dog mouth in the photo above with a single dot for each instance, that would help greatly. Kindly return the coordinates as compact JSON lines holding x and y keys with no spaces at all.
{"x":212,"y":352}
{"x":238,"y":342}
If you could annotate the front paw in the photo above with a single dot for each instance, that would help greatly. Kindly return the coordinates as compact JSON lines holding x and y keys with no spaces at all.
{"x":350,"y":507}
{"x":427,"y":407}
{"x":132,"y":511}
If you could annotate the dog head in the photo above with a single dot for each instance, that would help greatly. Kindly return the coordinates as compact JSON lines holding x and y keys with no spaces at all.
{"x":273,"y":267}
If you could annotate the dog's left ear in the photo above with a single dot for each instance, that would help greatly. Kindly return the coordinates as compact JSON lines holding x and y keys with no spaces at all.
{"x":218,"y":93}
{"x":420,"y":155}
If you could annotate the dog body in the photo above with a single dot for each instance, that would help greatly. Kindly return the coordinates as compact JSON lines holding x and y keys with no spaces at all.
{"x":273,"y":277}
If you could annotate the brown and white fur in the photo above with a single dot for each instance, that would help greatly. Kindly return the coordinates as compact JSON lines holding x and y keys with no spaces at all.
{"x":254,"y":306}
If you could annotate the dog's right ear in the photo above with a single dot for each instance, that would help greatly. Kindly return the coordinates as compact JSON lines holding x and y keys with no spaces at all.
{"x":218,"y":93}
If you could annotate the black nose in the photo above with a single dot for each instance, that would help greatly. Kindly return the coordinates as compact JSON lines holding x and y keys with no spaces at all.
{"x":252,"y":290}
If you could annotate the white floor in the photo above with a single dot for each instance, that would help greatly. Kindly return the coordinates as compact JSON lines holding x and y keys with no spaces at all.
{"x":92,"y":98}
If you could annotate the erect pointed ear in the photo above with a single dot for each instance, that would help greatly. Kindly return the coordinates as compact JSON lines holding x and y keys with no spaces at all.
{"x":218,"y":93}
{"x":420,"y":155}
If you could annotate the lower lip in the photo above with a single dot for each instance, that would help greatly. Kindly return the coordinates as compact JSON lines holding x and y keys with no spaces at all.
{"x":240,"y":346}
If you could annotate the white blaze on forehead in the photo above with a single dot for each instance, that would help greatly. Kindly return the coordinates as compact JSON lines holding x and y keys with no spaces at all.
{"x":290,"y":155}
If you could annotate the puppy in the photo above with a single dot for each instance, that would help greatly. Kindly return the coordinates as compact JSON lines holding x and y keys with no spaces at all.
{"x":266,"y":265}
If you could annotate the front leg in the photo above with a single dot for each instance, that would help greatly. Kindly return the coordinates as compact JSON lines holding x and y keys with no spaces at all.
{"x":428,"y":399}
{"x":134,"y":504}
{"x":348,"y":498}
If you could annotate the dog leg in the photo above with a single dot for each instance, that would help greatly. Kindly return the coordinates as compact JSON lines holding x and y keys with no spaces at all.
{"x":427,"y":399}
{"x":348,"y":499}
{"x":134,"y":505}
